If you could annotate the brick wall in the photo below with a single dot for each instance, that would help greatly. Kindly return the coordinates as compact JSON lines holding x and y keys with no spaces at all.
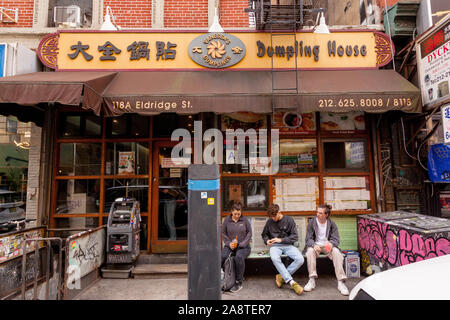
{"x":25,"y":13}
{"x":138,"y":13}
{"x":131,"y":13}
{"x":186,"y":14}
{"x":232,"y":13}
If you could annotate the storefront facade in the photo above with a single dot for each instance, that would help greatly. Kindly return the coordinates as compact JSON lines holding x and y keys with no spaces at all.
{"x":117,"y":98}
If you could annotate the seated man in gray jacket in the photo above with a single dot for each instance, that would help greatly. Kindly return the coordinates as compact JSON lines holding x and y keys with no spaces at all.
{"x":322,"y":236}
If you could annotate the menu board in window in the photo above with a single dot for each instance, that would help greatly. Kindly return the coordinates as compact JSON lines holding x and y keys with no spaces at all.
{"x":347,"y":193}
{"x":126,"y":162}
{"x":297,"y":194}
{"x":294,"y":123}
{"x":343,"y":123}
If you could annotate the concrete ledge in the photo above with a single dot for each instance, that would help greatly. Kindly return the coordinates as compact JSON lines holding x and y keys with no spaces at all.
{"x":163,"y":258}
{"x":157,"y":271}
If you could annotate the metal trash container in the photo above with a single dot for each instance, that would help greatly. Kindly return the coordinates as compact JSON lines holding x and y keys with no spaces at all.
{"x":122,"y":233}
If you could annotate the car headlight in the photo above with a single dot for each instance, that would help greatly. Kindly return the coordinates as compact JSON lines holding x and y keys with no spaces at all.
{"x":362,"y":295}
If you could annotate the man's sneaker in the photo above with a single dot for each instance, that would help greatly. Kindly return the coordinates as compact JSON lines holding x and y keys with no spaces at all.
{"x":297,"y":288}
{"x":342,"y":288}
{"x":279,"y":280}
{"x":237,"y":286}
{"x":310,"y":285}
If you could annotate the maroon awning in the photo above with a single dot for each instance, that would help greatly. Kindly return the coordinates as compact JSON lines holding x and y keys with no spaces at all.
{"x":153,"y":92}
{"x":187,"y":92}
{"x":68,"y":88}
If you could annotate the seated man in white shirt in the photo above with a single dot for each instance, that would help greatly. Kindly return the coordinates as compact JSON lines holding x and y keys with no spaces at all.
{"x":322,"y":236}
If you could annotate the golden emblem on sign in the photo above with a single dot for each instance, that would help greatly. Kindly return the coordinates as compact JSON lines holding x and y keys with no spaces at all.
{"x":216,"y":49}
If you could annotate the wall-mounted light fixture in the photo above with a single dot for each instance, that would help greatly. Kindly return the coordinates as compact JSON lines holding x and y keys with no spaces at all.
{"x":322,"y":27}
{"x":215,"y":26}
{"x":107,"y":24}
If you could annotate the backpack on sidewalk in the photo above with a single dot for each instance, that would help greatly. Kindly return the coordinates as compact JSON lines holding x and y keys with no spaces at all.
{"x":229,"y":273}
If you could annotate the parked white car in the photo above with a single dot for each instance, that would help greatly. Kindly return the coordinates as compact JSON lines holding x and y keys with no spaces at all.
{"x":424,"y":280}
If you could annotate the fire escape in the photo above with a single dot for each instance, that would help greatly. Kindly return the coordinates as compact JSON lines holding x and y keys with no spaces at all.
{"x":282,"y":18}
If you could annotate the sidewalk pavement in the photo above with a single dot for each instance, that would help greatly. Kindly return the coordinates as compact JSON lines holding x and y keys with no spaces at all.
{"x":256,"y":287}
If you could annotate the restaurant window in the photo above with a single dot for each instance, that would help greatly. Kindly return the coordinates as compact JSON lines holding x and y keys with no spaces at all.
{"x":78,"y":196}
{"x":11,"y":125}
{"x":98,"y":164}
{"x":75,"y":223}
{"x":245,"y":145}
{"x":340,"y":155}
{"x":121,"y":188}
{"x":75,"y":125}
{"x":126,"y":158}
{"x":80,"y":159}
{"x":128,"y":126}
{"x":252,"y":193}
{"x":165,"y":123}
{"x":298,"y":155}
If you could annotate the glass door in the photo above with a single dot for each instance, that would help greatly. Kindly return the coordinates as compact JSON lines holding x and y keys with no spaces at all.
{"x":170,"y":202}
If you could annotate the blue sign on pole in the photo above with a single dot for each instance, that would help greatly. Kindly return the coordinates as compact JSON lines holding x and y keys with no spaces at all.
{"x":2,"y":59}
{"x":439,"y":163}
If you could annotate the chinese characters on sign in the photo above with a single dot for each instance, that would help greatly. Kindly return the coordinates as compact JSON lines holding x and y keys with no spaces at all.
{"x":434,"y":64}
{"x":445,"y":111}
{"x":138,"y":50}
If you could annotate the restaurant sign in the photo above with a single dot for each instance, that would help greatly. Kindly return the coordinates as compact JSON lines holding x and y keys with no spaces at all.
{"x":133,"y":50}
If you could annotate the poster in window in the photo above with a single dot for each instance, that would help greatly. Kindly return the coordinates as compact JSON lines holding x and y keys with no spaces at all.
{"x":293,"y":122}
{"x":235,"y":193}
{"x":349,"y":122}
{"x":126,"y":162}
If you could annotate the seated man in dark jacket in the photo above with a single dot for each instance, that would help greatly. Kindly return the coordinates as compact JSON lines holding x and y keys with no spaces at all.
{"x":236,"y":235}
{"x":280,"y":233}
{"x":322,"y":236}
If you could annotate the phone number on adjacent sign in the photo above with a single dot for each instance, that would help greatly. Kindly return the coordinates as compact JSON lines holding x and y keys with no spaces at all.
{"x":364,"y":102}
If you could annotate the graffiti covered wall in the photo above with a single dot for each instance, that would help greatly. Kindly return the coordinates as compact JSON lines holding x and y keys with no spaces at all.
{"x":87,"y":252}
{"x":386,"y":245}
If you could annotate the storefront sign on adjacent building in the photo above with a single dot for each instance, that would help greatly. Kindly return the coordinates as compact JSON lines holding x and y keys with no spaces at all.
{"x":2,"y":59}
{"x":433,"y":57}
{"x":132,"y":50}
{"x":445,"y":111}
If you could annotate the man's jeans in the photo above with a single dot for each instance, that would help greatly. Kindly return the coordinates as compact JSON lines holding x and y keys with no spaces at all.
{"x":276,"y":250}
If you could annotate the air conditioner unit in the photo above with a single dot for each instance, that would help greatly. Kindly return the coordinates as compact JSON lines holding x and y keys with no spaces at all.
{"x":67,"y":16}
